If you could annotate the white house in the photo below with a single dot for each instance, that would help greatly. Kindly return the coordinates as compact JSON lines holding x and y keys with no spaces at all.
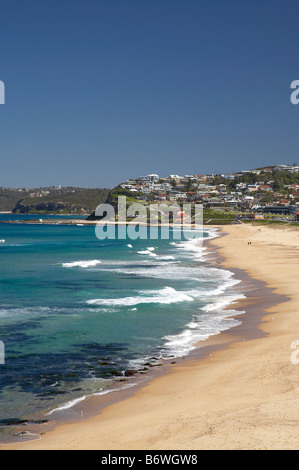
{"x":153,"y":177}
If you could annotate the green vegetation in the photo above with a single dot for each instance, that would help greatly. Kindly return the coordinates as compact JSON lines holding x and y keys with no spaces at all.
{"x":61,"y":201}
{"x":213,"y":217}
{"x":9,"y":198}
{"x":279,"y":179}
{"x":112,"y":198}
{"x":113,"y":195}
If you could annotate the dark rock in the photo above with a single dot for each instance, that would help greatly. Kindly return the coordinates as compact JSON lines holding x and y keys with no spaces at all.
{"x":116,"y":372}
{"x":130,"y":372}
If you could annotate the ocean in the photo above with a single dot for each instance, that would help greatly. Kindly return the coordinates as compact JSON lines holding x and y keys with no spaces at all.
{"x":77,"y":312}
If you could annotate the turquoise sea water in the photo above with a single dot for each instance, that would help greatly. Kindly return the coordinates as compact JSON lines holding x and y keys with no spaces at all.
{"x":77,"y":312}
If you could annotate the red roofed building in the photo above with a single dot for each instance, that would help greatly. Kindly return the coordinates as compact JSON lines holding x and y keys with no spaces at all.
{"x":284,"y":201}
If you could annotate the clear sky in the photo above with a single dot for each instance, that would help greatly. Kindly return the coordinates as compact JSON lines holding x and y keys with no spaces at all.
{"x":98,"y":91}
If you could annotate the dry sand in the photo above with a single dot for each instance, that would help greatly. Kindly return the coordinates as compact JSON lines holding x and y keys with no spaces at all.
{"x":245,"y":396}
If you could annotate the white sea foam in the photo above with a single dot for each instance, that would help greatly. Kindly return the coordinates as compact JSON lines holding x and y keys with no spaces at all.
{"x":146,"y":252}
{"x":167,"y":295}
{"x":223,"y":303}
{"x":202,"y":326}
{"x":13,"y":313}
{"x":81,"y":264}
{"x":167,"y":267}
{"x":72,"y":403}
{"x":191,"y":246}
{"x":68,"y":405}
{"x":170,"y":270}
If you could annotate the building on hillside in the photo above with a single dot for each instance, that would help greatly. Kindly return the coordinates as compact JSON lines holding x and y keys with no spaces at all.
{"x":280,"y":209}
{"x":153,"y":177}
{"x":228,"y":176}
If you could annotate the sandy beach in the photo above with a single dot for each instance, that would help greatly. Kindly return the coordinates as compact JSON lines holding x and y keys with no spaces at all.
{"x":244,"y":394}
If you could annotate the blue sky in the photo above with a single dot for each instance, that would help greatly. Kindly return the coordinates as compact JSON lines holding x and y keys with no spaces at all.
{"x":98,"y":91}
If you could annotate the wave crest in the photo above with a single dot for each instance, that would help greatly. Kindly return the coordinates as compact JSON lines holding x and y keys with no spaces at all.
{"x":81,"y":264}
{"x":167,"y":295}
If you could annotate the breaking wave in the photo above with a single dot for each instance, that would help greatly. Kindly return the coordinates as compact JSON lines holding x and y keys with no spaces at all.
{"x":82,"y":264}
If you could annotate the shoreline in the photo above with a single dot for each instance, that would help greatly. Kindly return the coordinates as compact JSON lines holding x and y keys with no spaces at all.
{"x":167,"y":384}
{"x":89,"y":406}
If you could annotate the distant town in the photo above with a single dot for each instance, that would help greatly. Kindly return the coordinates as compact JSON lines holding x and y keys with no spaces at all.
{"x":250,"y":193}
